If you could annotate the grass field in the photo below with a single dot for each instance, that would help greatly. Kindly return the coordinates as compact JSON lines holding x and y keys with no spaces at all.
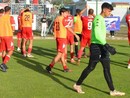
{"x":27,"y":77}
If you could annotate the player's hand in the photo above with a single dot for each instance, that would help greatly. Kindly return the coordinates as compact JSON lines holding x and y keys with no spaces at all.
{"x":87,"y":6}
{"x":77,"y":37}
{"x":111,"y":49}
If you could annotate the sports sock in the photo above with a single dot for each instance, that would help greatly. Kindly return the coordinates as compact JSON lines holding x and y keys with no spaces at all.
{"x":51,"y":65}
{"x":18,"y":43}
{"x":80,"y":53}
{"x":65,"y":67}
{"x":6,"y":59}
{"x":76,"y":50}
{"x":29,"y":50}
{"x":72,"y":55}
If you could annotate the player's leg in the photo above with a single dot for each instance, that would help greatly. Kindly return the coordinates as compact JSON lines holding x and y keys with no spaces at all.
{"x":107,"y":74}
{"x":30,"y":48}
{"x":18,"y":41}
{"x":94,"y":59}
{"x":8,"y":50}
{"x":42,"y":30}
{"x":55,"y":60}
{"x":61,"y":44}
{"x":71,"y":42}
{"x":65,"y":67}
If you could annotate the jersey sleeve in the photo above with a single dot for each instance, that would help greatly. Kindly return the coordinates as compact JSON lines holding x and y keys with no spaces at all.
{"x":75,"y":19}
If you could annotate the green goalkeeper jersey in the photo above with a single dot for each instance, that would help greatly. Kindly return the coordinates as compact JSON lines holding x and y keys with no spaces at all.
{"x":98,"y":30}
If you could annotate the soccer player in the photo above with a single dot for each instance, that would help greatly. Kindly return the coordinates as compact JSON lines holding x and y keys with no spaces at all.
{"x":6,"y":34}
{"x":19,"y":33}
{"x":27,"y":33}
{"x":44,"y":26}
{"x":128,"y":24}
{"x":1,"y":14}
{"x":78,"y":27}
{"x":70,"y":38}
{"x":60,"y":33}
{"x":86,"y":32}
{"x":99,"y":51}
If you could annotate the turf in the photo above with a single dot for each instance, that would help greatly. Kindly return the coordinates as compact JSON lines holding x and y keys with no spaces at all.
{"x":27,"y":77}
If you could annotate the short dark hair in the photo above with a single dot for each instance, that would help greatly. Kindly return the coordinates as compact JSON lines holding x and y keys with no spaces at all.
{"x":107,"y":5}
{"x":1,"y":10}
{"x":27,"y":10}
{"x":90,"y":11}
{"x":62,"y":10}
{"x":78,"y":11}
{"x":7,"y":8}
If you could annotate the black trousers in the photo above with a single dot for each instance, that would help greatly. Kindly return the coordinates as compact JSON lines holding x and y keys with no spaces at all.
{"x":98,"y":53}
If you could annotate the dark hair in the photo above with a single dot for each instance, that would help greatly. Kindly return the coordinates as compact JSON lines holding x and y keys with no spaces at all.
{"x":1,"y":10}
{"x":7,"y":8}
{"x":90,"y":11}
{"x":107,"y":5}
{"x":78,"y":11}
{"x":62,"y":10}
{"x":27,"y":10}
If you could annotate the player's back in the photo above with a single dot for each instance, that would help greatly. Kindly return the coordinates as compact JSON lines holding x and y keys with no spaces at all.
{"x":87,"y":24}
{"x":5,"y":26}
{"x":27,"y":19}
{"x":59,"y":27}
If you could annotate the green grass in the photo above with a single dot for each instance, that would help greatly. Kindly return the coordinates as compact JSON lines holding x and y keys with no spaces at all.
{"x":27,"y":77}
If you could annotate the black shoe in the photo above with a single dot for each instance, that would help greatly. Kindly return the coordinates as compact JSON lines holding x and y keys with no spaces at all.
{"x":5,"y":66}
{"x":49,"y":69}
{"x":2,"y":66}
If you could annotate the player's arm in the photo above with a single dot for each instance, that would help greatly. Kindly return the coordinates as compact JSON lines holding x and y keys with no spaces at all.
{"x":12,"y":23}
{"x":71,"y":30}
{"x":32,"y":17}
{"x":86,"y":7}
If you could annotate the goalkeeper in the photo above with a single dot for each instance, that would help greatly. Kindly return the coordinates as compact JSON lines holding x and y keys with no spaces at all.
{"x":99,"y":51}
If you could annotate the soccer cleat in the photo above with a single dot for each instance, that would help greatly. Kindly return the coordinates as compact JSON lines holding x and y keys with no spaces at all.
{"x":24,"y":55}
{"x":30,"y":56}
{"x":49,"y":70}
{"x":116,"y":93}
{"x":5,"y":66}
{"x":78,"y":62}
{"x":128,"y":66}
{"x":72,"y":60}
{"x":18,"y":49}
{"x":78,"y":89}
{"x":2,"y":66}
{"x":67,"y":70}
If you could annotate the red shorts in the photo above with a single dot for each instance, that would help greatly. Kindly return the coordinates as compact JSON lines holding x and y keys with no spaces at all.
{"x":19,"y":35}
{"x":7,"y":43}
{"x":85,"y":41}
{"x":27,"y":33}
{"x":70,"y":39}
{"x":61,"y":44}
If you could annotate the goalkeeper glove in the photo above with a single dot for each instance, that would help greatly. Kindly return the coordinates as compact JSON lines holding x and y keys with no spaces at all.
{"x":110,"y":49}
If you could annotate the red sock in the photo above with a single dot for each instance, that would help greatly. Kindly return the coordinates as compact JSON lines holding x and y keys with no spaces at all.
{"x":80,"y":53}
{"x":29,"y":50}
{"x":129,"y":61}
{"x":51,"y":65}
{"x":3,"y":57}
{"x":18,"y":43}
{"x":24,"y":52}
{"x":6,"y":59}
{"x":65,"y":67}
{"x":72,"y":55}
